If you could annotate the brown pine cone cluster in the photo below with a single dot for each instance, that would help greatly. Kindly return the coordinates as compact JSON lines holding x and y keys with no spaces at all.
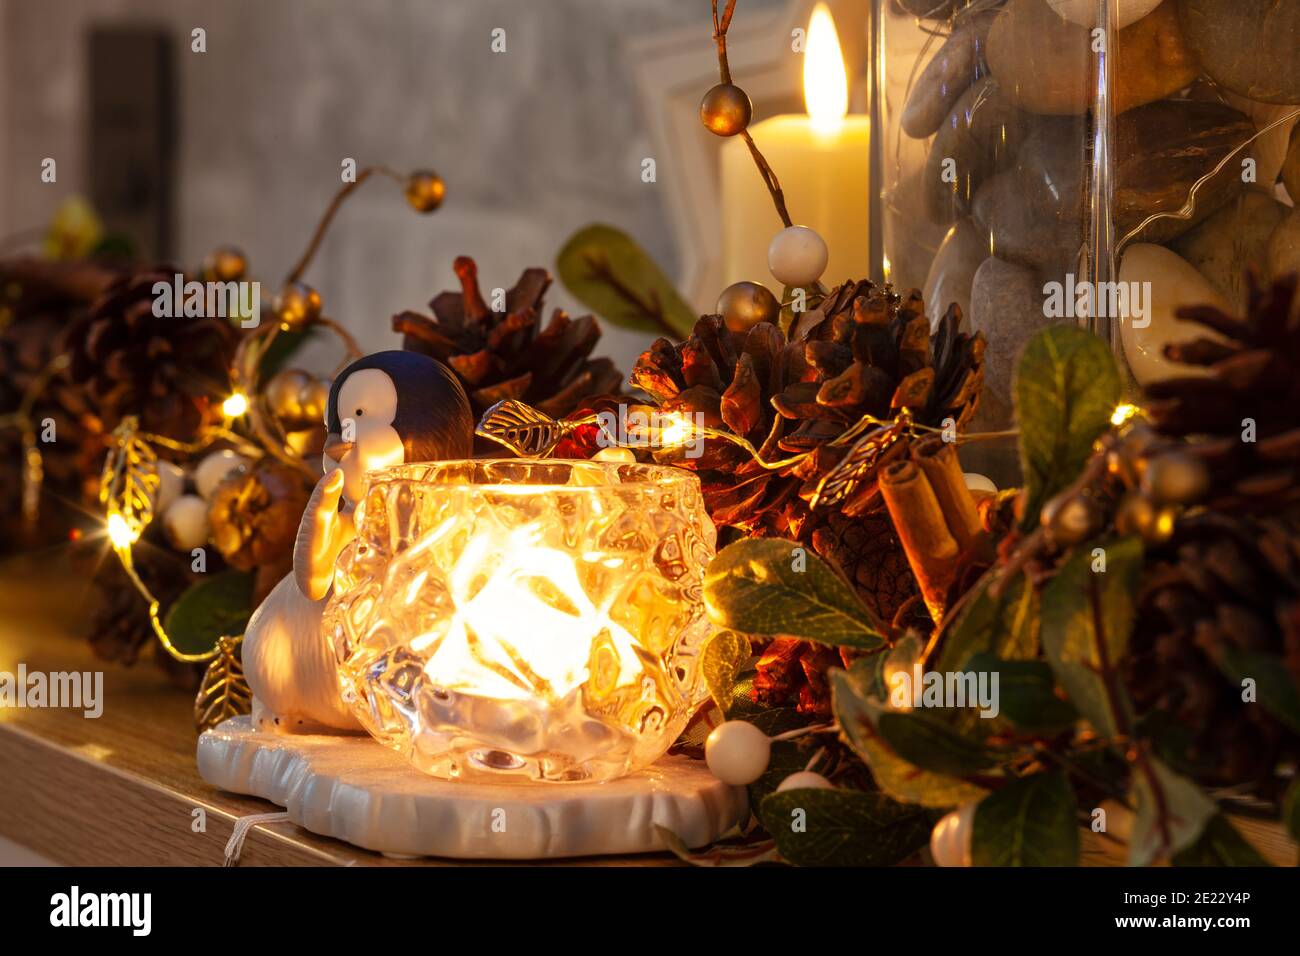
{"x":1227,"y":581}
{"x":510,"y":353}
{"x":1223,"y":584}
{"x":38,"y":301}
{"x":171,"y":372}
{"x":863,"y":350}
{"x":1245,"y":412}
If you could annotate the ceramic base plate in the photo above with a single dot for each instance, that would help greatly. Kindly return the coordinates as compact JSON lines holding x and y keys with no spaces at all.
{"x":351,"y":788}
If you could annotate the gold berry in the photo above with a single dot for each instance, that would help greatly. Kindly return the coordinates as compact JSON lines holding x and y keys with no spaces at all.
{"x":743,"y":305}
{"x":1176,"y":478}
{"x":726,"y":109}
{"x":1141,"y":516}
{"x":225,"y":264}
{"x":284,"y":394}
{"x":313,"y":399}
{"x":425,"y":190}
{"x":298,"y":306}
{"x":1070,"y":519}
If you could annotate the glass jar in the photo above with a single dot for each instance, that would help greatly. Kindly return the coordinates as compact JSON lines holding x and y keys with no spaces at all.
{"x":1094,"y":161}
{"x":524,"y":619}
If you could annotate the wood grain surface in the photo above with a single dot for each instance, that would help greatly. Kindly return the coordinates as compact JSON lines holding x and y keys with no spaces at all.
{"x":121,"y":790}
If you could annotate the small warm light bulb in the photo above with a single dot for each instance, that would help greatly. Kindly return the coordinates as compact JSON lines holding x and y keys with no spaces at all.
{"x":825,"y":80}
{"x":235,"y":405}
{"x":1123,"y":412}
{"x":119,"y":532}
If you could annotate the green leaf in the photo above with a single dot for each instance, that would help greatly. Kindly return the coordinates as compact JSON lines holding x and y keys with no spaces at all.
{"x":1031,"y":822}
{"x":1007,"y":626}
{"x":1066,"y":386}
{"x":769,"y":586}
{"x":845,"y":827}
{"x":1276,"y":691}
{"x":1026,"y":692}
{"x":610,"y":274}
{"x":1074,"y":604}
{"x":1172,"y":813}
{"x":724,"y":656}
{"x":925,"y":741}
{"x":218,"y":605}
{"x":1220,"y":845}
{"x":895,"y":776}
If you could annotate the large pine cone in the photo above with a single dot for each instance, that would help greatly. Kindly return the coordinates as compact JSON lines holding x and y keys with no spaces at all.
{"x":1253,"y":378}
{"x":170,"y":372}
{"x":863,"y":350}
{"x":510,"y":354}
{"x":1229,"y":578}
{"x":1224,"y":583}
{"x":38,"y":301}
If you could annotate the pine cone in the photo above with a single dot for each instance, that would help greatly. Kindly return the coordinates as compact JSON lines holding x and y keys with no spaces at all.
{"x":1252,"y":378}
{"x":508,"y":354}
{"x":171,"y":372}
{"x":1229,"y":578}
{"x":120,"y":629}
{"x":863,"y":350}
{"x":34,"y":311}
{"x":255,"y":513}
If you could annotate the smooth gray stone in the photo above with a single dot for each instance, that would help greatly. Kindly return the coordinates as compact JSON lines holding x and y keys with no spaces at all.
{"x":950,"y":72}
{"x":1250,"y":46}
{"x":1233,"y":238}
{"x":1047,"y":240}
{"x":981,"y":134}
{"x":1007,"y":306}
{"x":953,"y":269}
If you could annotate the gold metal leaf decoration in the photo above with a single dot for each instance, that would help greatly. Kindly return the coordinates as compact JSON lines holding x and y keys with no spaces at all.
{"x":844,"y":479}
{"x":523,"y":429}
{"x":224,"y":693}
{"x":129,"y":482}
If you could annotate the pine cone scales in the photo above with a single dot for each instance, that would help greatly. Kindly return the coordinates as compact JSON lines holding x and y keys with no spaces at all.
{"x":1222,"y":583}
{"x":510,"y":354}
{"x":1251,"y":379}
{"x":864,"y":350}
{"x":1228,"y":580}
{"x":124,"y":360}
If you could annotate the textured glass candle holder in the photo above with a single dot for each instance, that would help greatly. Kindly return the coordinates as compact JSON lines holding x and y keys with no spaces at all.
{"x":539,"y":620}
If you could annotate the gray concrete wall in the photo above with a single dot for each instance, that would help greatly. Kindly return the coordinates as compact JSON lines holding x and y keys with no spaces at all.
{"x":533,"y":143}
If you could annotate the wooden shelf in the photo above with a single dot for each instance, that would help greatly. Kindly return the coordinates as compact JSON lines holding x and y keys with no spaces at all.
{"x":121,"y":790}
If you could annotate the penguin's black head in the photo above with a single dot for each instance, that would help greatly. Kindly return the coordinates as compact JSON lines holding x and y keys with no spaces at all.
{"x":433,"y":419}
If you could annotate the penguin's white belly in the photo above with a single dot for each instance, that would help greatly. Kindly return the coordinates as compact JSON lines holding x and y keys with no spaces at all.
{"x":289,"y":666}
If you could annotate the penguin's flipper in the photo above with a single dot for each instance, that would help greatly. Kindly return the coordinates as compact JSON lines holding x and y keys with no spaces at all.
{"x":319,"y":539}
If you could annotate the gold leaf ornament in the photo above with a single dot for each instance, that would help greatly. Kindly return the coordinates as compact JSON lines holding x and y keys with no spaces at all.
{"x":523,"y":429}
{"x":129,"y":482}
{"x":844,"y":479}
{"x":224,"y":692}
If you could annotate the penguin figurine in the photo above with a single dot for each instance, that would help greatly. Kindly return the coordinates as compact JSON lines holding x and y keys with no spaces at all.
{"x":384,"y":409}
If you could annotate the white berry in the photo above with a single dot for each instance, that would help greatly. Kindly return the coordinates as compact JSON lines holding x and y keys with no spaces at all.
{"x":619,"y":455}
{"x":804,"y":780}
{"x":737,"y":752}
{"x":797,"y":257}
{"x":186,"y":523}
{"x":171,"y":482}
{"x":950,"y":839}
{"x":213,"y":469}
{"x":978,"y":482}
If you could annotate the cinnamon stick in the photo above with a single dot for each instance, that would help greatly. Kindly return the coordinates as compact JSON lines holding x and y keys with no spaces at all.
{"x":938,"y":460}
{"x":918,"y":518}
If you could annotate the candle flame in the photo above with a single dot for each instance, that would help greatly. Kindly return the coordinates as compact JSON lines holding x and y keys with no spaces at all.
{"x":825,"y":80}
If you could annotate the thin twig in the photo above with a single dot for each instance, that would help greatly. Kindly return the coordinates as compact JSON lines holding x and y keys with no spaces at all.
{"x":322,"y":227}
{"x":724,"y":73}
{"x":598,"y":269}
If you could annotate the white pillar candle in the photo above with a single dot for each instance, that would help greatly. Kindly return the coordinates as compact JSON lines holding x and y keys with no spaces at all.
{"x":822,"y":160}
